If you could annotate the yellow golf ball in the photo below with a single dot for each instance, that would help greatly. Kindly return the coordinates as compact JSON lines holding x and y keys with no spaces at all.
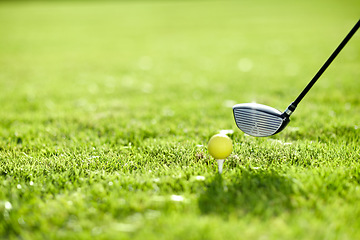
{"x":220,"y":146}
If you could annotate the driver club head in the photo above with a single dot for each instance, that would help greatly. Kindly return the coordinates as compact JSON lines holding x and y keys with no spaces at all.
{"x":262,"y":121}
{"x":259,"y":120}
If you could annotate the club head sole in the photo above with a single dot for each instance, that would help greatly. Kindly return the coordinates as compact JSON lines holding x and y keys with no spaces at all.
{"x":259,"y":120}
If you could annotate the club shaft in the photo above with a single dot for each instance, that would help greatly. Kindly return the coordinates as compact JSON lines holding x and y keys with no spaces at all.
{"x":294,"y":104}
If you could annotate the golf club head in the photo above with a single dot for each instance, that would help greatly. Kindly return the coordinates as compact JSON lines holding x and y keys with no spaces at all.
{"x":259,"y":120}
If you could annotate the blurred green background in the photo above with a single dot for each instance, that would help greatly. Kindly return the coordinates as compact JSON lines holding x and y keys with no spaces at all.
{"x":107,"y":106}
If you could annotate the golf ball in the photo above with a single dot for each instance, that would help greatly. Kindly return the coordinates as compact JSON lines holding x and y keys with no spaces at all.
{"x":220,"y":146}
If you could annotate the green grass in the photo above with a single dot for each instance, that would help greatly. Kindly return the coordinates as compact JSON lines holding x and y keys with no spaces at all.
{"x":107,"y":107}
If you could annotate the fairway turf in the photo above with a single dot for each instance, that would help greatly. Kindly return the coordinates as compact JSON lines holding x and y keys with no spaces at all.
{"x":107,"y":108}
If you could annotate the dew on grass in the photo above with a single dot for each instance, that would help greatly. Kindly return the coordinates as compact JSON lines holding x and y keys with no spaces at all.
{"x":200,"y":178}
{"x":27,"y":155}
{"x":177,"y":198}
{"x":18,"y":186}
{"x":31,"y":183}
{"x":226,"y":131}
{"x":8,"y":206}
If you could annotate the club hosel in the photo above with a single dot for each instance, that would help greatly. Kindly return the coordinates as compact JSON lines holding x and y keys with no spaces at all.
{"x":290,"y":109}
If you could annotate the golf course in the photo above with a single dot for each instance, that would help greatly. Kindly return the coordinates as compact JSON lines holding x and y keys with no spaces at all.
{"x":107,"y":108}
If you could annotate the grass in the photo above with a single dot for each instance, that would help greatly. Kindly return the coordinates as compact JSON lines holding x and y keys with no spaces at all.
{"x":107,"y":107}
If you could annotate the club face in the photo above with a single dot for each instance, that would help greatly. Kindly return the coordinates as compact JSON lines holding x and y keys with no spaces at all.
{"x":259,"y":120}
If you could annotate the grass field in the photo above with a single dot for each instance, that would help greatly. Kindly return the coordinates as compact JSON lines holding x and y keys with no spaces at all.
{"x":107,"y":107}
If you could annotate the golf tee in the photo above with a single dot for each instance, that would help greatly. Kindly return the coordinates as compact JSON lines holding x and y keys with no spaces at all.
{"x":220,"y":163}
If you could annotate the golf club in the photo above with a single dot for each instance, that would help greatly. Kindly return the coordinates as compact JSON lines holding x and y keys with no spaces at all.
{"x":262,"y":121}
